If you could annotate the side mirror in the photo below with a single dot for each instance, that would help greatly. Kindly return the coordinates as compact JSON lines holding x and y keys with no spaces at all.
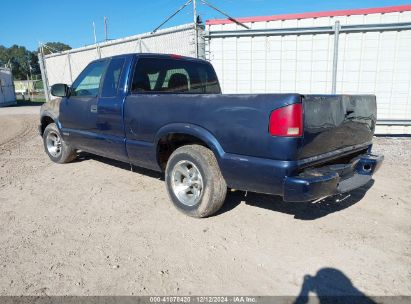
{"x":60,"y":90}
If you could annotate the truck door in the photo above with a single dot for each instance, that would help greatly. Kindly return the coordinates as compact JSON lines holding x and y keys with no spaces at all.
{"x":110,"y":127}
{"x":78,"y":112}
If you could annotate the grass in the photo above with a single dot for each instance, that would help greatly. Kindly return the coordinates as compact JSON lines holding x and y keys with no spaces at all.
{"x":34,"y":99}
{"x":24,"y":103}
{"x":38,"y":99}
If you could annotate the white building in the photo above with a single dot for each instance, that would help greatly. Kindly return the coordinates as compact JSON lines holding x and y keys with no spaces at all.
{"x":345,"y":52}
{"x":7,"y":96}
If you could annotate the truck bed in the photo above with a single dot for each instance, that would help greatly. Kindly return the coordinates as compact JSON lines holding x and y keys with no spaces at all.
{"x":240,"y":122}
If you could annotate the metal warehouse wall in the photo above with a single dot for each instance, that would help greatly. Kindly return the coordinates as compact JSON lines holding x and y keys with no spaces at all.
{"x":66,"y":66}
{"x":295,"y":53}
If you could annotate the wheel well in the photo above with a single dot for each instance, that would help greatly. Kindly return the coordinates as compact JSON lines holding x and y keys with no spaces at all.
{"x":45,"y":121}
{"x":171,"y":142}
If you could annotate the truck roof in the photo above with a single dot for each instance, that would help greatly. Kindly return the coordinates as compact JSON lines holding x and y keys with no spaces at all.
{"x":156,"y":55}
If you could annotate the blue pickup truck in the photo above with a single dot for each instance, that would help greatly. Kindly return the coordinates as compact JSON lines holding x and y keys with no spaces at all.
{"x":167,"y":113}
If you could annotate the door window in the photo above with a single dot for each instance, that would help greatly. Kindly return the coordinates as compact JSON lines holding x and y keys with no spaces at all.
{"x":88,"y":82}
{"x":112,"y":77}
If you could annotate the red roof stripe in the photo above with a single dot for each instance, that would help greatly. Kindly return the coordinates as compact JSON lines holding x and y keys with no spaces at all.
{"x":363,"y":11}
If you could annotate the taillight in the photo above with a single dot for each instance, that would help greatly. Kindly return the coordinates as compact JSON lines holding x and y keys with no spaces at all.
{"x":287,"y":121}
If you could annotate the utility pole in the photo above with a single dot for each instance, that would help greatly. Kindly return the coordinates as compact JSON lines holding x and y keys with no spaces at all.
{"x":195,"y":26}
{"x":95,"y":40}
{"x":30,"y":82}
{"x":94,"y":33}
{"x":105,"y":28}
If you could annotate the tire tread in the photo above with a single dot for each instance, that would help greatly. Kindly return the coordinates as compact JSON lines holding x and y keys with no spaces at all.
{"x":213,"y":198}
{"x":68,"y":154}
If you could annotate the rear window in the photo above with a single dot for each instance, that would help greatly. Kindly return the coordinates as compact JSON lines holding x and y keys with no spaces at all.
{"x":155,"y":75}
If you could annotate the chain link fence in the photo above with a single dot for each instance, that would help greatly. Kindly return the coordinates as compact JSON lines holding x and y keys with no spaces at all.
{"x":64,"y":67}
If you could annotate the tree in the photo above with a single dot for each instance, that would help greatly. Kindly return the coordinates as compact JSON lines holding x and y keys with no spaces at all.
{"x":19,"y":58}
{"x":24,"y":62}
{"x":55,"y":47}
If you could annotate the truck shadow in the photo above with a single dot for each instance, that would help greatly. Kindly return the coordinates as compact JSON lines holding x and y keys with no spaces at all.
{"x":330,"y":285}
{"x":303,"y":210}
{"x":83,"y":156}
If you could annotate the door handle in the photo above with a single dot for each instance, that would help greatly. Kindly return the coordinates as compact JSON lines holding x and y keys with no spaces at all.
{"x":93,"y":109}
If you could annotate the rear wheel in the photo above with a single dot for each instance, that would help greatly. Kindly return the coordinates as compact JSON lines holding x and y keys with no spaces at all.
{"x":55,"y":147}
{"x":194,"y":181}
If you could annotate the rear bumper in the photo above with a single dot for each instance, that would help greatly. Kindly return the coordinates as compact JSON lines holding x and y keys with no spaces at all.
{"x":317,"y":183}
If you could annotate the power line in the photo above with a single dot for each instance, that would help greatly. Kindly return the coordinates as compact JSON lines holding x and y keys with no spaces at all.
{"x":171,"y":16}
{"x":204,"y":2}
{"x":196,"y":19}
{"x":225,"y":14}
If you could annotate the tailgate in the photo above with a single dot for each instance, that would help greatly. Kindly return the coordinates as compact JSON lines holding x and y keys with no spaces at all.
{"x":332,"y":122}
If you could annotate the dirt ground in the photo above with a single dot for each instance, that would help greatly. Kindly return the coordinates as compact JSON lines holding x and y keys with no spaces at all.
{"x":93,"y":227}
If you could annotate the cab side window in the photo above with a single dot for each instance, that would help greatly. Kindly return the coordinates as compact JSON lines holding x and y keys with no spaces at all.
{"x":88,"y":82}
{"x":112,"y":77}
{"x":162,"y":75}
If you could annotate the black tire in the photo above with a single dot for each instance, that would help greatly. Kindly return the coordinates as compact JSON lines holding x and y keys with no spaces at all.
{"x":214,"y":187}
{"x":66,"y":154}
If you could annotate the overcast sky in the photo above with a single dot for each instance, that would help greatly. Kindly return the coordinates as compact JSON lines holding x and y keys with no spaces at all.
{"x":27,"y":22}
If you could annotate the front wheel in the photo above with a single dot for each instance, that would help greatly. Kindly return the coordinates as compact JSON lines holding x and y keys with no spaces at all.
{"x":55,"y":147}
{"x":194,"y":181}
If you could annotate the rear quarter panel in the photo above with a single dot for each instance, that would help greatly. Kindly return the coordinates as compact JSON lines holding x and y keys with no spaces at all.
{"x":238,"y":122}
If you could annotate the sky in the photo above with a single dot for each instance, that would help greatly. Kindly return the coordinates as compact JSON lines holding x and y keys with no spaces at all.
{"x":27,"y":22}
